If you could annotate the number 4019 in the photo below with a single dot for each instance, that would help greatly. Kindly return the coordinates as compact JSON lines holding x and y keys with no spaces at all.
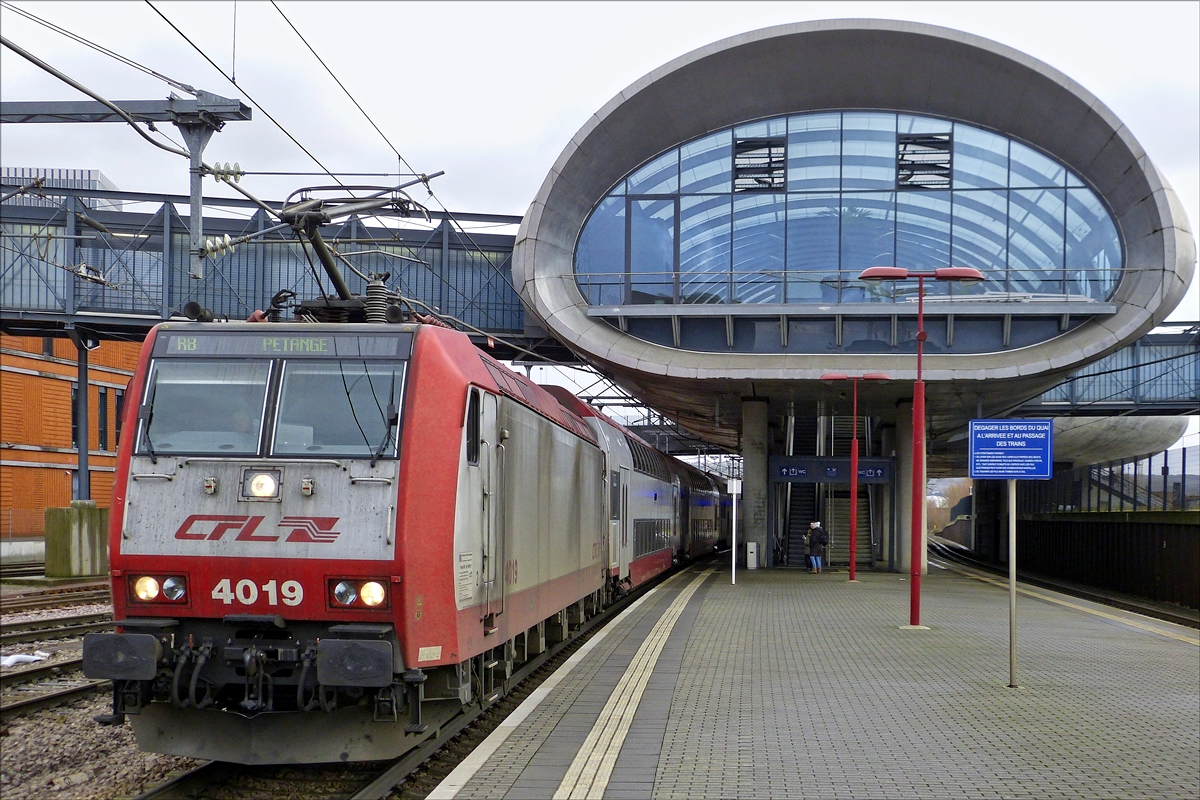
{"x":246,"y":592}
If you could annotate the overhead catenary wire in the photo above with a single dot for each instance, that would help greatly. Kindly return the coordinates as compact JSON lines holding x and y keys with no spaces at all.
{"x":229,"y":78}
{"x":462,"y":230}
{"x":342,"y":86}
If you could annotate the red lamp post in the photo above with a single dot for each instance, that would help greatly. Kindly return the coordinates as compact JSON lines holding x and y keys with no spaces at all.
{"x":967,"y":276}
{"x":839,"y":376}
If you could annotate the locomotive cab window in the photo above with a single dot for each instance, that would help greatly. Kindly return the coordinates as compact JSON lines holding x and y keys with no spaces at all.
{"x":473,"y":428}
{"x":339,"y":408}
{"x":196,"y":406}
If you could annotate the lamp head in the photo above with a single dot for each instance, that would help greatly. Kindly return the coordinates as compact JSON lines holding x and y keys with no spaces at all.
{"x":878,"y":274}
{"x":830,"y":377}
{"x":967,"y":276}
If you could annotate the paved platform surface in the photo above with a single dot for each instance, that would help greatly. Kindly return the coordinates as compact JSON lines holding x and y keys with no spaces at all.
{"x":798,"y":685}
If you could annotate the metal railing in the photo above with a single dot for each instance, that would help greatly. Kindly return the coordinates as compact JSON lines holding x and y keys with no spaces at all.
{"x":1166,"y":481}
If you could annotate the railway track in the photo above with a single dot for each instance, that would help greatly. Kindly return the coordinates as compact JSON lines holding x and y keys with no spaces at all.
{"x":40,"y":630}
{"x":41,"y":687}
{"x":372,"y":781}
{"x":54,"y":600}
{"x":22,"y":570}
{"x":1096,"y":596}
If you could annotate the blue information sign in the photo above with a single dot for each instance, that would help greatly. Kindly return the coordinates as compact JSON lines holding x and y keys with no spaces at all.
{"x":1012,"y":448}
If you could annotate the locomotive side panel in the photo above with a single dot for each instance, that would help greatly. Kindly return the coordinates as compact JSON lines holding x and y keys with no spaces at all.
{"x":553,"y":517}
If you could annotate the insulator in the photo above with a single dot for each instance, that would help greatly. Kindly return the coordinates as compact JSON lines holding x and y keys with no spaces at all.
{"x":377,"y":301}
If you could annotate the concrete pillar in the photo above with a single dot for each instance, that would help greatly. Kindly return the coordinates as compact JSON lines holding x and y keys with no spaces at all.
{"x":76,"y":540}
{"x":754,"y":473}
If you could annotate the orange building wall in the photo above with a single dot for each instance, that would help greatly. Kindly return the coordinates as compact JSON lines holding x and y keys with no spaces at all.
{"x":36,"y":457}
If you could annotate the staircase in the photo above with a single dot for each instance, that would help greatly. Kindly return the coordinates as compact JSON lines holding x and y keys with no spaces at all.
{"x":837,"y":523}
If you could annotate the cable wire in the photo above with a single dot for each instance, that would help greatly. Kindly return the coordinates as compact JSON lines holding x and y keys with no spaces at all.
{"x":129,"y":62}
{"x":77,"y":85}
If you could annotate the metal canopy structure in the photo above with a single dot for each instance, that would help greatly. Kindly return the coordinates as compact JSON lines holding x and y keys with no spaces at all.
{"x":205,"y":104}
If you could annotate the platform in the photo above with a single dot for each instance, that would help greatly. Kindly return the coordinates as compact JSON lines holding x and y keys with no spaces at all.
{"x":798,"y":685}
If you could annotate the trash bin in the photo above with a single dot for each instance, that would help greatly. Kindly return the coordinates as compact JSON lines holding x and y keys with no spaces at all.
{"x":751,"y":555}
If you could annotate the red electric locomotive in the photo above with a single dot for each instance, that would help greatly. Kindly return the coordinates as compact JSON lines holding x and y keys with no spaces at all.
{"x":326,"y":539}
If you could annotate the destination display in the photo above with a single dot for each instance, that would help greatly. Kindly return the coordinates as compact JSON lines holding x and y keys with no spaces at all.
{"x":1017,"y":449}
{"x":289,"y":344}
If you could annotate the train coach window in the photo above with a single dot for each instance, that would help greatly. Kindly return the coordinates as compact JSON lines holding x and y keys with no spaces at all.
{"x":204,"y":407}
{"x":473,"y":428}
{"x":339,"y":408}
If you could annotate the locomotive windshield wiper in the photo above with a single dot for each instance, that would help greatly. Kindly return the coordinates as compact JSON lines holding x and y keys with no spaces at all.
{"x":145,"y":415}
{"x":393,"y":417}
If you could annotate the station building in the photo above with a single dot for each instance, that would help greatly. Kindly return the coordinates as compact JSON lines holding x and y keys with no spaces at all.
{"x":701,"y":238}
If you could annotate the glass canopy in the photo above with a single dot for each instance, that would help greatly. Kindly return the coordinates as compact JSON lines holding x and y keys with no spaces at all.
{"x":792,"y":209}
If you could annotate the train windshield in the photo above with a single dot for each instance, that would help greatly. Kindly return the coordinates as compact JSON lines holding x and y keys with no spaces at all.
{"x":204,"y":407}
{"x":339,"y":408}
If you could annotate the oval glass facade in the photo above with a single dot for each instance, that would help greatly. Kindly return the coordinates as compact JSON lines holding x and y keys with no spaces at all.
{"x":792,"y":209}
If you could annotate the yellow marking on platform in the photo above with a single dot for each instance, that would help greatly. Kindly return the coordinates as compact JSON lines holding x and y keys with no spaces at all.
{"x":589,"y":773}
{"x":453,"y":783}
{"x":1094,"y":612}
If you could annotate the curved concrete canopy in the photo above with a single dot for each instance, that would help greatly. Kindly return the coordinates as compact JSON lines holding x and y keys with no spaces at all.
{"x":847,"y":64}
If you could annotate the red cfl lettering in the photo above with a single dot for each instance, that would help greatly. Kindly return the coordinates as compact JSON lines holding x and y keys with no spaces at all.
{"x":223,"y":524}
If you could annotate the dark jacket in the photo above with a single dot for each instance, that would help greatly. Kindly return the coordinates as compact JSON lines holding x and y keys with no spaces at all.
{"x":817,"y":539}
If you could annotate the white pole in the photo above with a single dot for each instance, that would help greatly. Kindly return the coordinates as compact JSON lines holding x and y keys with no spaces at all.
{"x":734,"y":486}
{"x":733,"y":550}
{"x":1012,"y":583}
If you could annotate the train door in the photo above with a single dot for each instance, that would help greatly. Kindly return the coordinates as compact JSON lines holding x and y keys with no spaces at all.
{"x":614,"y":521}
{"x":624,"y":522}
{"x":492,"y":530}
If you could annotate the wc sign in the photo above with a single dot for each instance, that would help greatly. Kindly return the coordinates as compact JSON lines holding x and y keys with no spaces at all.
{"x":1012,"y":449}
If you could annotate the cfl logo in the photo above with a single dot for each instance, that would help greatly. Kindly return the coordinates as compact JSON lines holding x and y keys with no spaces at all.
{"x":300,"y":530}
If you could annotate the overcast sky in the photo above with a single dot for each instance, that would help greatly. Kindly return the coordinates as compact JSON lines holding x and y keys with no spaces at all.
{"x":492,"y":92}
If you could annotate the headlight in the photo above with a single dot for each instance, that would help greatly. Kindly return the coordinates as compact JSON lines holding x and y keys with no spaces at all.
{"x":263,"y":484}
{"x":146,"y":588}
{"x":345,"y":593}
{"x":372,"y":593}
{"x":174,"y":588}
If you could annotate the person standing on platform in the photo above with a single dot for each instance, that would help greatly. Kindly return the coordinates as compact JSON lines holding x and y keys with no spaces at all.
{"x":817,"y":539}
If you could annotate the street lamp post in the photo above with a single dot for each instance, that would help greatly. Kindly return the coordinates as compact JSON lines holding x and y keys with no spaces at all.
{"x":967,"y":276}
{"x":838,"y":376}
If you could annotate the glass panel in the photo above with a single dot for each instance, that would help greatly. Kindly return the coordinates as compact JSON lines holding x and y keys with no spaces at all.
{"x":660,"y":176}
{"x":814,"y":152}
{"x":1035,"y":240}
{"x":812,"y":248}
{"x":868,"y":151}
{"x":706,"y":165}
{"x":906,"y":123}
{"x":652,"y":251}
{"x":758,"y":247}
{"x":1027,"y":167}
{"x":868,"y":240}
{"x":600,"y":256}
{"x":339,"y":408}
{"x":1073,"y":180}
{"x":981,"y":238}
{"x":705,"y":233}
{"x":1093,"y":258}
{"x":980,"y":159}
{"x":923,"y":230}
{"x":767,"y":128}
{"x":198,"y":407}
